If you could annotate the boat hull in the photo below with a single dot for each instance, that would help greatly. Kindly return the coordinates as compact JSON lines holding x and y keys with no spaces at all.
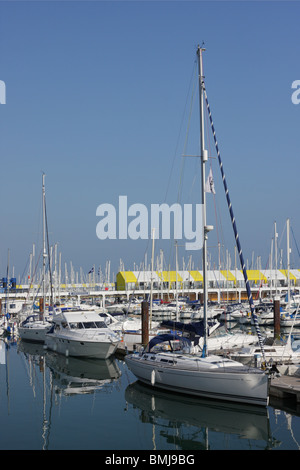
{"x":80,"y":348}
{"x":279,"y":355}
{"x":33,"y":334}
{"x":251,"y":388}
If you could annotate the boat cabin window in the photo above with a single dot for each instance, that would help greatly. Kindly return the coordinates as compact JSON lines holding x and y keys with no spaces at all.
{"x":101,"y":324}
{"x":87,"y":325}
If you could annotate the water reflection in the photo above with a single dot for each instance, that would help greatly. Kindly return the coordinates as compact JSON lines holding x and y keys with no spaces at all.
{"x":194,"y":418}
{"x":69,"y":393}
{"x":53,"y":376}
{"x":71,"y":375}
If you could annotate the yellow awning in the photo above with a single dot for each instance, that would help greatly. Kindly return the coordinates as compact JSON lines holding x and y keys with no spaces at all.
{"x":228,"y":275}
{"x":285,"y":273}
{"x":256,"y":275}
{"x":125,"y":277}
{"x":129,"y":276}
{"x":197,"y":276}
{"x":170,"y":276}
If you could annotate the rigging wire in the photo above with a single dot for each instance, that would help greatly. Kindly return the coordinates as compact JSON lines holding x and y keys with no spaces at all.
{"x":180,"y":129}
{"x":191,"y":94}
{"x":239,"y":248}
{"x":186,"y":141}
{"x":295,"y":241}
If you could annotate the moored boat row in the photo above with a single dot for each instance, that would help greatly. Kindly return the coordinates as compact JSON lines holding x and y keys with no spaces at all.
{"x":180,"y":365}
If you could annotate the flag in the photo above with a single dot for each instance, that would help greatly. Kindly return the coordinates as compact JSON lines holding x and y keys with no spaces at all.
{"x":91,"y":271}
{"x":210,"y":185}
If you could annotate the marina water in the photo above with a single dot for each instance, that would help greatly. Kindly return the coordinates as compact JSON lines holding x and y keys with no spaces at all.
{"x":51,"y":402}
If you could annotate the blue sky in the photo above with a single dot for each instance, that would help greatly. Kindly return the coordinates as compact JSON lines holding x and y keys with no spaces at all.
{"x":95,"y":98}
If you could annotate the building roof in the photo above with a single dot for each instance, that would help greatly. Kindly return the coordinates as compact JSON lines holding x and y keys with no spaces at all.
{"x":212,"y":275}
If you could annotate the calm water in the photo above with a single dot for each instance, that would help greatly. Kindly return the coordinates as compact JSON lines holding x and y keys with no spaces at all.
{"x":51,"y":402}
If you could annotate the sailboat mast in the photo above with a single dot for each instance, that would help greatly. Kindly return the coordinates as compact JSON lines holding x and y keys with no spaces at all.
{"x":275,"y":239}
{"x":44,"y":246}
{"x":288,"y":262}
{"x":203,"y":161}
{"x":152,"y":270}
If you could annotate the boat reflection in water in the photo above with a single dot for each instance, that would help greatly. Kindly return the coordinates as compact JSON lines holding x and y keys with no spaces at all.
{"x":73,"y":376}
{"x":185,"y":421}
{"x":32,"y":351}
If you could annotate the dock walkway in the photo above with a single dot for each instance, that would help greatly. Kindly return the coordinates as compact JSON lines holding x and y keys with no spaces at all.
{"x":286,"y":386}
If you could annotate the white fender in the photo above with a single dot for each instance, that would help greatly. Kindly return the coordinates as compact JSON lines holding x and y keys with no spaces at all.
{"x":153,"y":377}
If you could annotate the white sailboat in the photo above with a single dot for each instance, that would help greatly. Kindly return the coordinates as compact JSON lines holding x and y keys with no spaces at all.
{"x":276,"y":353}
{"x":219,"y":338}
{"x":181,"y":370}
{"x":223,"y":340}
{"x":290,"y":319}
{"x":35,"y":326}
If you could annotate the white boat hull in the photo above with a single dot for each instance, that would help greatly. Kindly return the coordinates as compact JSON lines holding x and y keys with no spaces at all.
{"x":276,"y":354}
{"x":251,"y":388}
{"x":228,"y":341}
{"x":36,"y":333}
{"x":289,"y":322}
{"x":80,"y":348}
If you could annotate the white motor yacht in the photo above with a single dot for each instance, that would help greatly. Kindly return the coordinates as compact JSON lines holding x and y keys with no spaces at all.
{"x":81,"y":334}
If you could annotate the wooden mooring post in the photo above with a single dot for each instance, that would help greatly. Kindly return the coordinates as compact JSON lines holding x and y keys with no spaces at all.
{"x":145,"y":323}
{"x":276,"y":317}
{"x":41,"y":308}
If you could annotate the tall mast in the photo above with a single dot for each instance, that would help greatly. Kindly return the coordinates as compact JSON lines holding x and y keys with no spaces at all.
{"x":152,"y":269}
{"x":44,"y":245}
{"x":288,"y":262}
{"x":275,"y":239}
{"x":206,"y":228}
